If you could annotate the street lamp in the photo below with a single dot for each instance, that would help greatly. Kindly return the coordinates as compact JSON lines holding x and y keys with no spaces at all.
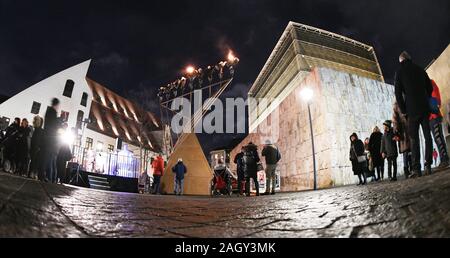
{"x":307,"y":95}
{"x":190,"y":70}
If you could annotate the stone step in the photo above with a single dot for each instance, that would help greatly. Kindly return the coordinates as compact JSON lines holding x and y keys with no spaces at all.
{"x":99,"y":183}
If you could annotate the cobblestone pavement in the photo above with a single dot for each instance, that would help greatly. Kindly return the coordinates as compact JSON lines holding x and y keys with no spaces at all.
{"x":408,"y":208}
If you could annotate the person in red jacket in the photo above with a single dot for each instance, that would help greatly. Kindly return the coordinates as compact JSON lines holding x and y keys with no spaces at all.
{"x":158,"y":170}
{"x":436,"y":125}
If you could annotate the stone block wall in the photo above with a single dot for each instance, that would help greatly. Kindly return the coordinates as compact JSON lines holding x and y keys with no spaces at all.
{"x":342,"y":104}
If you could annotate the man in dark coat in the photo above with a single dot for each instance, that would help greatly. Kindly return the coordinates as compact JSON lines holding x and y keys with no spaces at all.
{"x":389,"y":149}
{"x":51,"y":126}
{"x":357,"y":150}
{"x":23,"y":148}
{"x":36,"y":147}
{"x":251,"y":159}
{"x":240,"y":170}
{"x":413,"y":90}
{"x":375,"y":152}
{"x":272,"y":156}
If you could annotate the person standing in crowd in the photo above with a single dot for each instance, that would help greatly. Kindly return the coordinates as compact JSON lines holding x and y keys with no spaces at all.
{"x":51,"y":126}
{"x":158,"y":170}
{"x":64,"y":155}
{"x":240,"y":170}
{"x":13,"y":127}
{"x":179,"y":169}
{"x":23,"y":147}
{"x":400,"y":126}
{"x":370,"y":170}
{"x":272,"y":156}
{"x":413,"y":90}
{"x":358,"y":159}
{"x":36,"y":147}
{"x":389,"y":149}
{"x":10,"y":142}
{"x":375,"y":152}
{"x":436,"y":126}
{"x":251,"y":159}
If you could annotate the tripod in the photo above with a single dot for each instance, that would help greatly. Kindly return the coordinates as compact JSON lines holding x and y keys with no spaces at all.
{"x":77,"y":175}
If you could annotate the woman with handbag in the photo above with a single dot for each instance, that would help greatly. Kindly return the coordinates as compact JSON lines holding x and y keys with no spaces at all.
{"x":358,"y":158}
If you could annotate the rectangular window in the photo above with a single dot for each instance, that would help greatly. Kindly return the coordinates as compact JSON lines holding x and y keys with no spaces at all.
{"x":35,"y":108}
{"x":64,"y":116}
{"x":99,"y":146}
{"x":110,"y":148}
{"x":89,"y":143}
{"x":68,"y":88}
{"x":84,"y":99}
{"x":80,"y":117}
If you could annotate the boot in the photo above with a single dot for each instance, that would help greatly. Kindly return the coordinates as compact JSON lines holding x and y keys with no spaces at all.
{"x":428,"y":171}
{"x":443,"y":165}
{"x":406,"y":171}
{"x":415,"y":174}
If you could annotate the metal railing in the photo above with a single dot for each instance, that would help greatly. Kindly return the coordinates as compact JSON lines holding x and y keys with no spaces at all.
{"x":123,"y":164}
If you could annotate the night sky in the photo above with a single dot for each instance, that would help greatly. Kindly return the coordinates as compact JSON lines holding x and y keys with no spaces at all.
{"x":137,"y":45}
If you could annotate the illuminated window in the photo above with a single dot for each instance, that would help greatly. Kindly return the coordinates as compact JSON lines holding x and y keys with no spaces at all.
{"x":80,"y":118}
{"x":110,"y":148}
{"x":65,"y":116}
{"x":35,"y":108}
{"x":68,"y":89}
{"x":89,"y":143}
{"x":84,"y":99}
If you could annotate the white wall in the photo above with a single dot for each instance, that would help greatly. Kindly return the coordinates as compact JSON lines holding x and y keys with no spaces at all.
{"x":43,"y":92}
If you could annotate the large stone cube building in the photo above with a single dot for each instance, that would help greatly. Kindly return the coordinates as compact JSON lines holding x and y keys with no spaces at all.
{"x":349,"y":96}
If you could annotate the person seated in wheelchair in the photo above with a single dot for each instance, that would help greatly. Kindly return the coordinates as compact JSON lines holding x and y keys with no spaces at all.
{"x":222,"y":173}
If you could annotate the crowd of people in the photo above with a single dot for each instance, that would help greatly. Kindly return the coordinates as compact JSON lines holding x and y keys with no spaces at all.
{"x":248,"y":165}
{"x":37,"y":151}
{"x":197,"y":79}
{"x":157,"y":167}
{"x":417,"y":105}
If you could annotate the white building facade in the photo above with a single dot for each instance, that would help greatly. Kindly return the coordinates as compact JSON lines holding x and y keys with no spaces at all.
{"x":116,"y":129}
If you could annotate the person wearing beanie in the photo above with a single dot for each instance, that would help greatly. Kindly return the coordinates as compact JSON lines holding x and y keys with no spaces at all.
{"x":389,"y":149}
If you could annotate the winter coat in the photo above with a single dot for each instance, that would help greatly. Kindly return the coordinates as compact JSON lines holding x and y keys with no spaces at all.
{"x":437,"y":95}
{"x":51,"y":126}
{"x":375,"y":148}
{"x":357,"y":149}
{"x":400,"y":124}
{"x":158,"y":166}
{"x":64,"y":154}
{"x":36,"y":148}
{"x":36,"y":140}
{"x":239,"y":164}
{"x":272,"y":154}
{"x":413,"y":89}
{"x":389,"y":145}
{"x":23,"y":143}
{"x":11,"y":129}
{"x":179,"y":169}
{"x":250,"y":160}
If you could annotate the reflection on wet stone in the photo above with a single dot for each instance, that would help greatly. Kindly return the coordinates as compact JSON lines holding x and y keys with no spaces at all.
{"x":412,"y":208}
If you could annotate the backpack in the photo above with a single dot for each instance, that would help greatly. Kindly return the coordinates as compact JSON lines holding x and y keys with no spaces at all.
{"x":248,"y":159}
{"x":278,"y":155}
